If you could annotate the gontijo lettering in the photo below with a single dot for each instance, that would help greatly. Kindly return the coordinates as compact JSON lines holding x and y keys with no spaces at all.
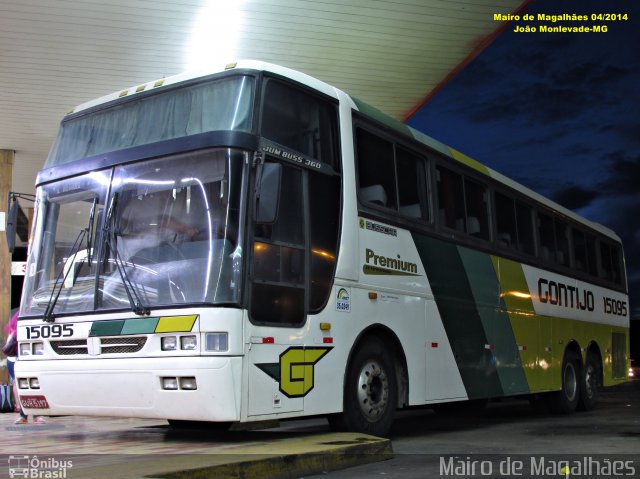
{"x":560,"y":294}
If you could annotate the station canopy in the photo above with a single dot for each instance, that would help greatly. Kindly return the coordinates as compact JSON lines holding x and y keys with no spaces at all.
{"x":55,"y":55}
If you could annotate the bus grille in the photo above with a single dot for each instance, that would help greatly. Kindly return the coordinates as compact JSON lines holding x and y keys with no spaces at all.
{"x":73,"y":346}
{"x":123,"y":344}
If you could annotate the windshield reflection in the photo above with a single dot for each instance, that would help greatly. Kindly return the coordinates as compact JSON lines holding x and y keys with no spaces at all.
{"x":170,"y":236}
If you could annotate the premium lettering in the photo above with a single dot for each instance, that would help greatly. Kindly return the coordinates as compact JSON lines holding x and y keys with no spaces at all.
{"x":388,"y":264}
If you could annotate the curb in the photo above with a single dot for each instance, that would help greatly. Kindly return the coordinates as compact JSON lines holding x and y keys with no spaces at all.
{"x":339,"y":454}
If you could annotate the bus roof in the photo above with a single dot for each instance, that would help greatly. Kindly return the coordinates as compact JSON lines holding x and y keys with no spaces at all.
{"x":360,"y":106}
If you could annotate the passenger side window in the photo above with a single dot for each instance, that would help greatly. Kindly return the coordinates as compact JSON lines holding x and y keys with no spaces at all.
{"x":554,"y":240}
{"x":450,"y":199}
{"x":477,"y":219}
{"x":581,"y":263}
{"x":462,"y":204}
{"x":524,"y":219}
{"x":411,"y":181}
{"x":376,"y":171}
{"x":514,"y":224}
{"x":506,"y":222}
{"x":547,"y":238}
{"x":610,"y":262}
{"x":562,"y":242}
{"x":591,"y":255}
{"x":584,"y":252}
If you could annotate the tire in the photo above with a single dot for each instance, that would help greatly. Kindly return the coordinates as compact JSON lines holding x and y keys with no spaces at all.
{"x":566,"y":400}
{"x":589,"y":382}
{"x":370,"y":391}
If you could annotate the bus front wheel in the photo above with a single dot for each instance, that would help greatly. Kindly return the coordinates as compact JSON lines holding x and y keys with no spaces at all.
{"x":371,"y":391}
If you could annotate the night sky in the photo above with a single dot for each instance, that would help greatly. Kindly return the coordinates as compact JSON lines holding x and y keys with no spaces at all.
{"x":559,"y":113}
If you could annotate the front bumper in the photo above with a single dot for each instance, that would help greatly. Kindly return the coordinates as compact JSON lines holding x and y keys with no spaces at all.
{"x":132,"y":387}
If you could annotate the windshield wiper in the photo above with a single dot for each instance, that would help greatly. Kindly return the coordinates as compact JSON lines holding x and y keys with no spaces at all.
{"x":53,"y":299}
{"x":109,"y":235}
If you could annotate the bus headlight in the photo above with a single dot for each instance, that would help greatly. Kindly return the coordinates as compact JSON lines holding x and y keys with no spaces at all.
{"x":188,"y":343}
{"x":34,"y":383}
{"x":170,"y":383}
{"x":23,"y":383}
{"x":217,"y":342}
{"x":169,"y":343}
{"x":188,"y":383}
{"x":25,"y":349}
{"x":38,"y":349}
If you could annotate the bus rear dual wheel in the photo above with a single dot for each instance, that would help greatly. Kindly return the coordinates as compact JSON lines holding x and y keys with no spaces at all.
{"x":370,"y":392}
{"x":579,"y":384}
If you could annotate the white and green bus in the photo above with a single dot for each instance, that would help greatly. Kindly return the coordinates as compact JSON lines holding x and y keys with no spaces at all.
{"x":253,"y":244}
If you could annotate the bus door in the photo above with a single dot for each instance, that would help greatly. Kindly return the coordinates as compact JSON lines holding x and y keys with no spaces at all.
{"x":294,"y":248}
{"x":277,"y":288}
{"x":271,"y":362}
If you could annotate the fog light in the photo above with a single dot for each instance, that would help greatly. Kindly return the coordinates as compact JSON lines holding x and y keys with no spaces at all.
{"x":188,"y":383}
{"x":217,"y":342}
{"x":169,"y":343}
{"x":188,"y":343}
{"x":170,"y":383}
{"x":38,"y":349}
{"x":34,"y":383}
{"x":23,"y":383}
{"x":25,"y":349}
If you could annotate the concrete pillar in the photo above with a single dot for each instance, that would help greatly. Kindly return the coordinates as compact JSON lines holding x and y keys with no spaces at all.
{"x":6,"y":170}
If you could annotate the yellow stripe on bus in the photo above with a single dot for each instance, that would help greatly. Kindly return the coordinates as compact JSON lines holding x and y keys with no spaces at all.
{"x":176,"y":324}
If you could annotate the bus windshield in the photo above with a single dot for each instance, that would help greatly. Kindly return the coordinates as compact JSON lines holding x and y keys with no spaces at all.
{"x":167,"y":233}
{"x":223,"y":104}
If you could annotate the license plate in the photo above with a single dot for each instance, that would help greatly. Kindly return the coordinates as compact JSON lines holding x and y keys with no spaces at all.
{"x":34,"y":402}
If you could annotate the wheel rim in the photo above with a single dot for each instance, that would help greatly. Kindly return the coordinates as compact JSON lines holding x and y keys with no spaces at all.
{"x":373,"y":390}
{"x":590,"y":381}
{"x":570,"y":382}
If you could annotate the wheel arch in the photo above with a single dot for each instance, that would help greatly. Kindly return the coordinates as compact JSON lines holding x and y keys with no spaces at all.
{"x":594,"y":349}
{"x":574,"y":347}
{"x":387,"y":336}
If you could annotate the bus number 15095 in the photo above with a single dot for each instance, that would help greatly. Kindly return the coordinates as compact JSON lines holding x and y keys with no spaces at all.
{"x":50,"y":331}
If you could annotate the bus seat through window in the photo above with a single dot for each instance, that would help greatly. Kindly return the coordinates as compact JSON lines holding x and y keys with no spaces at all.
{"x":412,"y":211}
{"x":374,"y":194}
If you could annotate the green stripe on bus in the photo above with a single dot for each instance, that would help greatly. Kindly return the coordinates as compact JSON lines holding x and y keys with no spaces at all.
{"x":381,"y":117}
{"x":528,"y":328}
{"x":460,"y":317}
{"x":140,"y":326}
{"x":495,"y":321}
{"x":121,"y":327}
{"x":107,"y":328}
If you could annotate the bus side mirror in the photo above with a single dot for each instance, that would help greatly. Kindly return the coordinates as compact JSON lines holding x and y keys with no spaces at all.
{"x":12,"y":223}
{"x":268,"y":193}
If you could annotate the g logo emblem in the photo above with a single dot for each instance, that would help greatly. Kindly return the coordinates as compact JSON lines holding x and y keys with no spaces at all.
{"x":295,"y":370}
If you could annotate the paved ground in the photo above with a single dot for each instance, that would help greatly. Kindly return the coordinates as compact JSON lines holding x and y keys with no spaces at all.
{"x":507,"y":432}
{"x":99,"y":448}
{"x":510,"y":431}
